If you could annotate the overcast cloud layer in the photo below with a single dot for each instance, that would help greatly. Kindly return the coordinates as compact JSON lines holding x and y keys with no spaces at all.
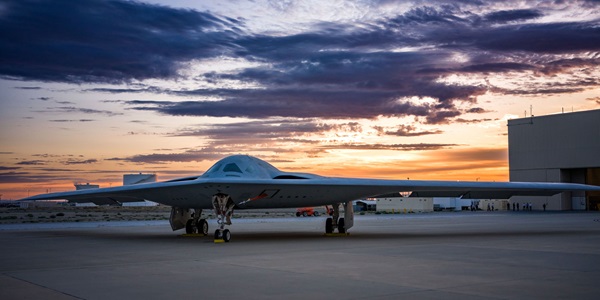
{"x":332,"y":70}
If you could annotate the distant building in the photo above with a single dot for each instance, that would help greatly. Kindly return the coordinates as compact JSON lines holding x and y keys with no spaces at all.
{"x":85,"y":186}
{"x":404,"y":204}
{"x":365,"y":205}
{"x":393,"y":204}
{"x":129,"y":179}
{"x":138,"y":178}
{"x":556,"y":148}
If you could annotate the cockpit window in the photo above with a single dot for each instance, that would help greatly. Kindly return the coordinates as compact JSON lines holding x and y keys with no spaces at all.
{"x":214,"y":168}
{"x":232,"y":167}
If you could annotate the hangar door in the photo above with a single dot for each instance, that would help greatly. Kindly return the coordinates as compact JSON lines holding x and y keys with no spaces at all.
{"x":592,"y":177}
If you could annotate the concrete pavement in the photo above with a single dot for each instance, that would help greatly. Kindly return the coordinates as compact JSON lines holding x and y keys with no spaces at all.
{"x":499,"y":255}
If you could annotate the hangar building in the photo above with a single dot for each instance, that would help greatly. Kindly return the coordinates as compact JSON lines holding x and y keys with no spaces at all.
{"x":557,"y":148}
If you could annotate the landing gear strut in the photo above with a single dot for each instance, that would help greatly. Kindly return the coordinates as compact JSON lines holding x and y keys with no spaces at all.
{"x":223,"y":206}
{"x":341,"y":224}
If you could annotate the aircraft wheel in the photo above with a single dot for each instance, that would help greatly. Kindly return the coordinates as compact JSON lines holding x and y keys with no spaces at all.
{"x":329,"y":225}
{"x":341,"y":228}
{"x":226,"y":235}
{"x":218,"y":234}
{"x":189,"y":226}
{"x":202,"y":226}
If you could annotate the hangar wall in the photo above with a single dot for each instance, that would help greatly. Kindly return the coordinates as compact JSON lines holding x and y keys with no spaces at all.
{"x":556,"y":148}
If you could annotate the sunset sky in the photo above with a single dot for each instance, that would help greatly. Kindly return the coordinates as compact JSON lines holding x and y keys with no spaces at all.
{"x":91,"y":90}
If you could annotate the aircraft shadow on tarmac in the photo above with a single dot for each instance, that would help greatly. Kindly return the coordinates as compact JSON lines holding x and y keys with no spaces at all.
{"x":298,"y":236}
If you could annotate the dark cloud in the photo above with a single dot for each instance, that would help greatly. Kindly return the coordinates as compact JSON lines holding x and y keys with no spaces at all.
{"x":105,"y":41}
{"x":36,"y":162}
{"x":260,"y":104}
{"x":542,"y":91}
{"x":46,"y":155}
{"x":497,"y":68}
{"x":28,"y":88}
{"x":567,"y":65}
{"x":330,"y":71}
{"x":475,"y":155}
{"x":73,"y":109}
{"x":19,"y":177}
{"x":540,"y":38}
{"x":72,"y":161}
{"x":8,"y":168}
{"x":186,"y":156}
{"x":69,"y":121}
{"x":472,"y":121}
{"x":398,"y":147}
{"x":597,"y":99}
{"x":214,"y":152}
{"x":271,"y":138}
{"x":407,"y":131}
{"x":37,"y":177}
{"x":268,"y":129}
{"x":476,"y":110}
{"x":505,"y":16}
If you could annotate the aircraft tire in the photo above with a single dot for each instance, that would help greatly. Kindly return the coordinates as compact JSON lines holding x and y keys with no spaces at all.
{"x":341,"y":224}
{"x":189,"y":226}
{"x":329,"y":225}
{"x":218,"y":234}
{"x":226,"y":235}
{"x":203,"y":226}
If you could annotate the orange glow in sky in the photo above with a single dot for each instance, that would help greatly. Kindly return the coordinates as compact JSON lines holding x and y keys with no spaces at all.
{"x":389,"y":90}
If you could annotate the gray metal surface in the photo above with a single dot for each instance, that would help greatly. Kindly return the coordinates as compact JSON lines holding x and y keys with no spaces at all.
{"x":562,"y":141}
{"x":509,"y":255}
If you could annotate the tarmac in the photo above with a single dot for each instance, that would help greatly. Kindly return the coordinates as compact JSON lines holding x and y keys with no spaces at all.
{"x":461,"y":255}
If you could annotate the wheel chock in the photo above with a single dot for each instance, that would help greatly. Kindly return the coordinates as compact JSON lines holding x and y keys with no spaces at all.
{"x":219,"y":241}
{"x":193,"y":235}
{"x":337,"y":234}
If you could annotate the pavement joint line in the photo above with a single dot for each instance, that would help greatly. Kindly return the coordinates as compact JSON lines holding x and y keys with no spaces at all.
{"x":42,"y":286}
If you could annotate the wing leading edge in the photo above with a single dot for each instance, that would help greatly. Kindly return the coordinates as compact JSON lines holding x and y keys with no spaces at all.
{"x":198,"y":193}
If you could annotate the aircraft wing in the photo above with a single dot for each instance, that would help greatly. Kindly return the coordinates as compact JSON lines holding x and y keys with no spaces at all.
{"x":281,"y":193}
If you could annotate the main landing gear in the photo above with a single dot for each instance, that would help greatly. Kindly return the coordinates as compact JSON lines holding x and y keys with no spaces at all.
{"x":199,"y":226}
{"x":189,"y":219}
{"x":341,"y":224}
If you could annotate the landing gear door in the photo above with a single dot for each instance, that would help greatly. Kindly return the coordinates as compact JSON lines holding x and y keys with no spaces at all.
{"x":348,"y":215}
{"x":179,"y":217}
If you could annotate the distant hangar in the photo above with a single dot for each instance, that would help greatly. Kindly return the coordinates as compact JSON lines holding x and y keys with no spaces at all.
{"x":557,"y":148}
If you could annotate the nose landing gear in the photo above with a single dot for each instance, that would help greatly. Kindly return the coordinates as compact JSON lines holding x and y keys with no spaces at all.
{"x":223,"y":206}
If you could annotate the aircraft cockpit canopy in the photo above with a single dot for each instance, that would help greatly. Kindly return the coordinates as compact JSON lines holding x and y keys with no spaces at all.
{"x":242,"y":166}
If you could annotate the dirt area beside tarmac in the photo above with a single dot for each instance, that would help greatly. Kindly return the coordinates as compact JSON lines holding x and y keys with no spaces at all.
{"x":11,"y":215}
